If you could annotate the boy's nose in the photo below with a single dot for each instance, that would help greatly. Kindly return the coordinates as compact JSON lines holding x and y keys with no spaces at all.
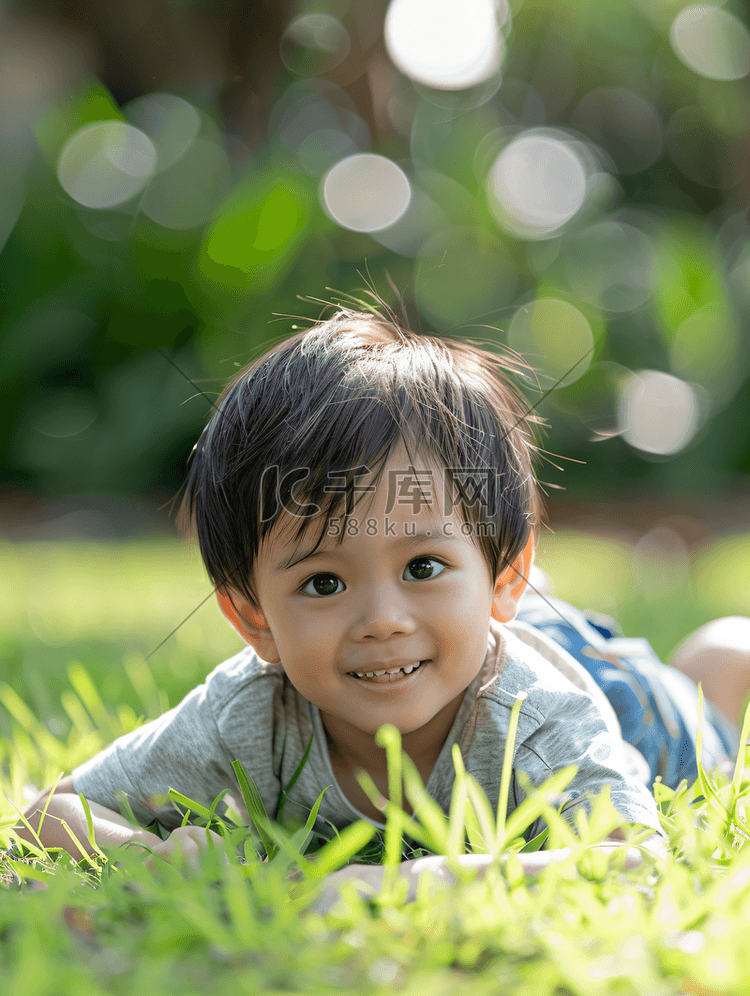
{"x":382,"y":615}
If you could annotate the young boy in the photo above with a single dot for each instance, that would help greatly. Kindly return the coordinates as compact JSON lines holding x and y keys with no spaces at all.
{"x":365,"y":505}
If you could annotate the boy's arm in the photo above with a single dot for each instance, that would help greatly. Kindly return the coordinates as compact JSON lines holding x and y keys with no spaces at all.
{"x":110,"y":828}
{"x":531,"y":862}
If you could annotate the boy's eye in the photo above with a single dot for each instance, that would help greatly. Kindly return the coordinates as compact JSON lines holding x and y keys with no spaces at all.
{"x":323,"y":584}
{"x":423,"y":568}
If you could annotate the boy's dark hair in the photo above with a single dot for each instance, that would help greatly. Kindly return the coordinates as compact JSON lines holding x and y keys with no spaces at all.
{"x":318,"y":408}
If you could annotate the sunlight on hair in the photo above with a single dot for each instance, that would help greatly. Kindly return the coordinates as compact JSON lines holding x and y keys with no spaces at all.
{"x":170,"y":122}
{"x":712,"y":42}
{"x":554,"y":336}
{"x":314,"y":44}
{"x":444,"y":44}
{"x":106,"y":163}
{"x":658,"y":413}
{"x":537,"y":183}
{"x":366,"y":192}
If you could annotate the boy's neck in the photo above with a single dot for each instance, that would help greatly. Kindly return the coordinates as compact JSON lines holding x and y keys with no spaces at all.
{"x":353,"y":749}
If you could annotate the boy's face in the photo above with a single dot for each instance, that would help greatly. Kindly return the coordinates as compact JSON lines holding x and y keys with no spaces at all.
{"x":404,"y":587}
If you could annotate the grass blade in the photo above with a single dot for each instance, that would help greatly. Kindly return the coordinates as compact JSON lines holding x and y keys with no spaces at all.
{"x":510,"y":746}
{"x":39,"y":846}
{"x":390,"y":738}
{"x":336,"y":853}
{"x":123,"y":804}
{"x":290,"y":784}
{"x":408,"y":825}
{"x":535,"y":844}
{"x":457,"y":813}
{"x":25,"y":871}
{"x":535,"y":804}
{"x":90,"y":827}
{"x":483,"y":829}
{"x":192,"y":807}
{"x":739,"y":767}
{"x":84,"y":855}
{"x":432,"y":817}
{"x":709,"y":790}
{"x":302,"y":837}
{"x":215,"y":803}
{"x":480,"y":833}
{"x":256,"y":811}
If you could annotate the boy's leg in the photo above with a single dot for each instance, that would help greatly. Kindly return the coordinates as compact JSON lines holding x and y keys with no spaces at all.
{"x":656,"y":705}
{"x":718,"y":656}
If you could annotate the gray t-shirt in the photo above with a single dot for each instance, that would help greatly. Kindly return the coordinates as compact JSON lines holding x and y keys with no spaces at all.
{"x":247,"y":710}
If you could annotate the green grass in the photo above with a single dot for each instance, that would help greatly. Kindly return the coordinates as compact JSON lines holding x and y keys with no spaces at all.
{"x":77,"y":624}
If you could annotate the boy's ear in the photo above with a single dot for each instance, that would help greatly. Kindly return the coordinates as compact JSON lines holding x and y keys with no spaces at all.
{"x":511,"y":584}
{"x":249,"y":623}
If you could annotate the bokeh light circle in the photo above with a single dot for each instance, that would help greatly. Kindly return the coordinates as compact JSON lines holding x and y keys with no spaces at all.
{"x":611,"y":264}
{"x":739,"y":281}
{"x":313,"y":44}
{"x":106,"y":163}
{"x":444,"y":44}
{"x":64,"y":413}
{"x":555,"y":338}
{"x":705,"y":348}
{"x":317,"y":121}
{"x":408,"y":234}
{"x":661,"y":562}
{"x":703,"y":152}
{"x":624,"y":124}
{"x":188,"y":193}
{"x":366,"y":192}
{"x":712,"y":42}
{"x":658,"y":413}
{"x":170,"y":122}
{"x":463,"y":277}
{"x":536,"y":184}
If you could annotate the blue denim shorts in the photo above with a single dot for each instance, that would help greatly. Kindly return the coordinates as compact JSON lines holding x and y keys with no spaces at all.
{"x":656,"y":705}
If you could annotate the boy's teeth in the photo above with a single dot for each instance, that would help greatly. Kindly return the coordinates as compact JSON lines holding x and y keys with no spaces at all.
{"x":406,"y":669}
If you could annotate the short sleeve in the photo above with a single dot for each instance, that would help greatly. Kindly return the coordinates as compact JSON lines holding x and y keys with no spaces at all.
{"x":191,"y":748}
{"x":576,"y":733}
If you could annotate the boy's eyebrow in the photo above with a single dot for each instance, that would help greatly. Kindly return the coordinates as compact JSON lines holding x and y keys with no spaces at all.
{"x":297,"y":556}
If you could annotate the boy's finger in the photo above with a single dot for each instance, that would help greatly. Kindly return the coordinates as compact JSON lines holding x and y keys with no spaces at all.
{"x":197,"y":835}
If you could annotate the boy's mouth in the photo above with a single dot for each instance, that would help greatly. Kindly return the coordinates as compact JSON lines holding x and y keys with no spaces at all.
{"x":387,"y":675}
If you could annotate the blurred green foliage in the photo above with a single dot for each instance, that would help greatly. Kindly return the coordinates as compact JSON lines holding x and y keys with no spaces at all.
{"x":114,"y":320}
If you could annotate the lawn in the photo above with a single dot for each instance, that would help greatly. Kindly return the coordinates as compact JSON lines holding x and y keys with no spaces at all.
{"x":83,"y":659}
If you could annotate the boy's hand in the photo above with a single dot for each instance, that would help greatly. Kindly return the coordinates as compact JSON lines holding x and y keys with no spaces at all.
{"x":64,"y":808}
{"x":183,"y":847}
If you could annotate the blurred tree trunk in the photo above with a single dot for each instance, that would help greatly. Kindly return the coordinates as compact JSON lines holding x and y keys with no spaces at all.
{"x":252,"y":31}
{"x":231,"y":48}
